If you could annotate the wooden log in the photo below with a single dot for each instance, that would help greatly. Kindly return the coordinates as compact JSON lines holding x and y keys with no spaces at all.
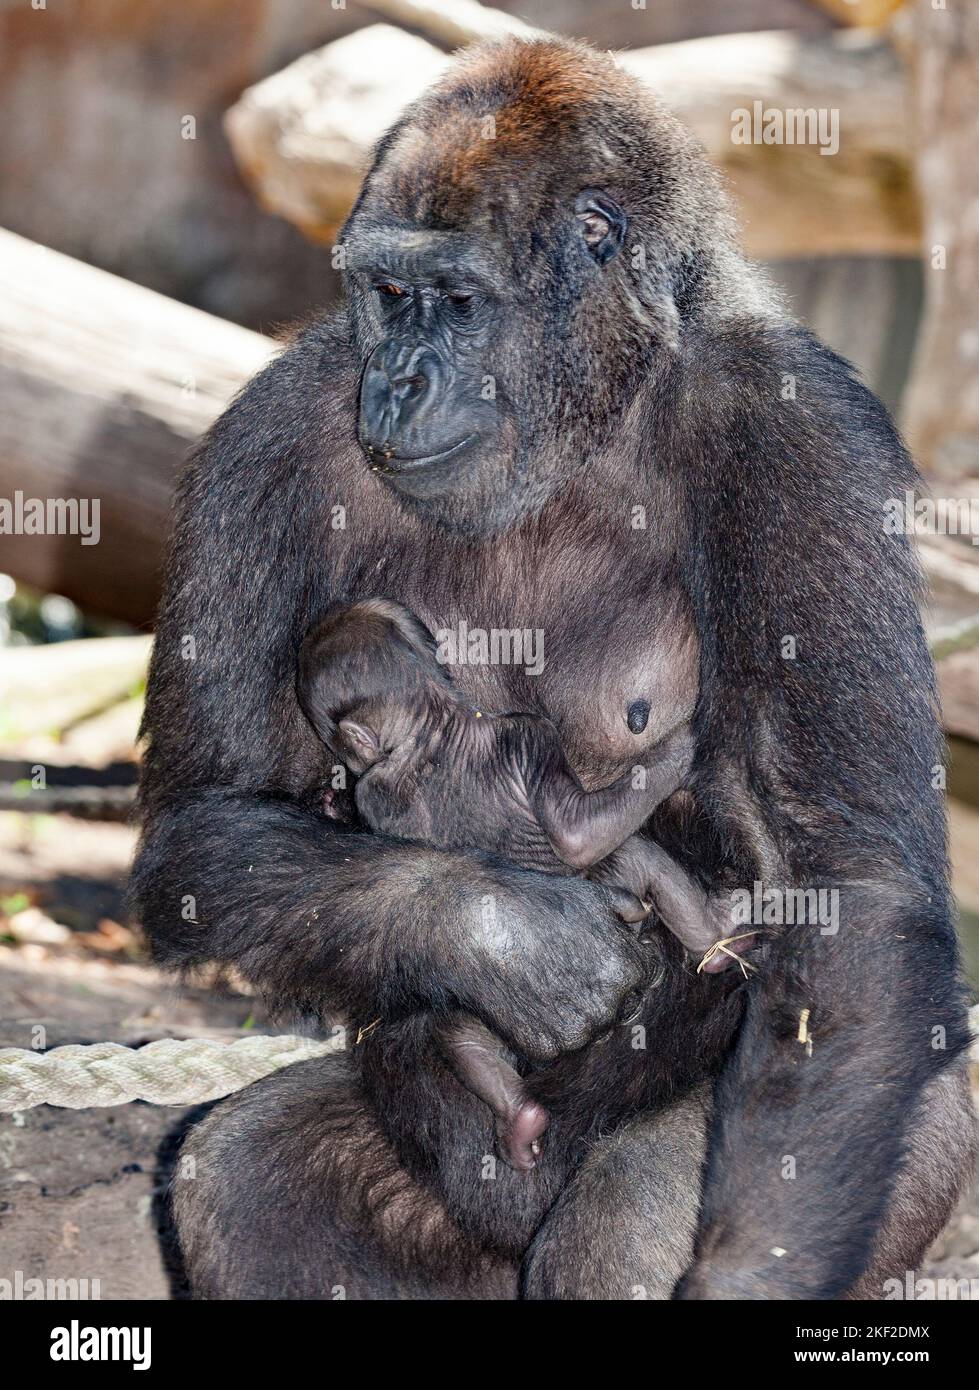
{"x":302,"y":137}
{"x":105,"y":387}
{"x":51,"y":688}
{"x":958,"y":685}
{"x":941,"y":409}
{"x":451,"y":22}
{"x":792,"y":199}
{"x":952,"y":621}
{"x":868,"y":13}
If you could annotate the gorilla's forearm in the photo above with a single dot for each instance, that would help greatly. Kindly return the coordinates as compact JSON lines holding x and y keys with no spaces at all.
{"x":585,"y":827}
{"x":306,"y":911}
{"x":320,"y":918}
{"x":842,"y":1036}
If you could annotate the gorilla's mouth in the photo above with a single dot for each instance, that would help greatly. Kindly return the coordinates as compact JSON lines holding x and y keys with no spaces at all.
{"x":401,"y":463}
{"x":428,"y":477}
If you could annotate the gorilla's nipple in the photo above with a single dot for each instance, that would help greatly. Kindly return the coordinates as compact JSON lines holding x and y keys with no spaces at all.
{"x":637,"y":716}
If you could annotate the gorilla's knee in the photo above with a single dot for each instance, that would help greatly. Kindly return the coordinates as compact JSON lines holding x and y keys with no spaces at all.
{"x":289,"y":1190}
{"x":251,"y":1192}
{"x":624,"y":1227}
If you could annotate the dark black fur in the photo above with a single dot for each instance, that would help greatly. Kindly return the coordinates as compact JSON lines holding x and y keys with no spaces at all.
{"x":656,"y":381}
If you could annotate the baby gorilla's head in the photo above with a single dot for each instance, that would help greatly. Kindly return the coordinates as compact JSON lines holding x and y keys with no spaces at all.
{"x":367,"y":670}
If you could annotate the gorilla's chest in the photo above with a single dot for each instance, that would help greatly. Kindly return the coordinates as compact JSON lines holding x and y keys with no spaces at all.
{"x":594,"y":635}
{"x":620,"y":682}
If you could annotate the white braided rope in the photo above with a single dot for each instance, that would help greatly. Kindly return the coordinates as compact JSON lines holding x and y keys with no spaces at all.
{"x":172,"y":1071}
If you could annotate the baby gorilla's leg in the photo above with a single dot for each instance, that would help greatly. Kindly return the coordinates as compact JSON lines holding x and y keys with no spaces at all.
{"x":643,"y":869}
{"x":476,"y":1056}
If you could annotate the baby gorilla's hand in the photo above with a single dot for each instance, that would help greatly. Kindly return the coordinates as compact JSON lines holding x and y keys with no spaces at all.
{"x":520,"y":1136}
{"x":338,"y":804}
{"x":627,"y":907}
{"x":627,"y":876}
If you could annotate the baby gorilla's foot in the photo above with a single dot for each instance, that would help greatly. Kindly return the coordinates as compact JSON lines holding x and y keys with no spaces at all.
{"x":726,"y":952}
{"x":520,"y":1136}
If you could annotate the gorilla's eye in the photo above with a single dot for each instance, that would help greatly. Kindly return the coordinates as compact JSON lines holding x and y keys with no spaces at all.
{"x":460,"y":301}
{"x":390,"y":291}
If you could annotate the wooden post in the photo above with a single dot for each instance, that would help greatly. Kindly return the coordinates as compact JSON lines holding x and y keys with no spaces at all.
{"x":941,"y":415}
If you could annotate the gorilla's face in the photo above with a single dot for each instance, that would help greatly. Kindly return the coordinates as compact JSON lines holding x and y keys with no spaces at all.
{"x":459,"y":383}
{"x":428,"y":411}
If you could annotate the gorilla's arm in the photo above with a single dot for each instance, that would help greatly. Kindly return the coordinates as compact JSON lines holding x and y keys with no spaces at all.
{"x":587,"y":826}
{"x":235,"y":864}
{"x":321,"y":919}
{"x":819,"y":745}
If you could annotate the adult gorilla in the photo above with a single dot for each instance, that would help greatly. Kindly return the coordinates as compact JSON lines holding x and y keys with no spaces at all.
{"x":560,"y":400}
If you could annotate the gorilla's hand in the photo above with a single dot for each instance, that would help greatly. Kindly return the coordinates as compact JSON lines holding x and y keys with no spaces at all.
{"x":642,"y":870}
{"x":548,"y":965}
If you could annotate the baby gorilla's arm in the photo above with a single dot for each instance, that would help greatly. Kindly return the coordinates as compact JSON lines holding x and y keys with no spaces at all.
{"x":476,"y":1056}
{"x":584,"y":827}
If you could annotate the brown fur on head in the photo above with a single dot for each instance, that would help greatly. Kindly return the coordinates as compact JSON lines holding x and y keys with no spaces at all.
{"x":501,"y":145}
{"x":363,"y":657}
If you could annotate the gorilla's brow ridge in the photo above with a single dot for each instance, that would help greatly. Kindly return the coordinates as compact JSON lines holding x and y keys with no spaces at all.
{"x":420,"y":254}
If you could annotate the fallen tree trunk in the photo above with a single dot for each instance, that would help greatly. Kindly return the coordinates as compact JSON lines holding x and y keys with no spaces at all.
{"x":105,"y":387}
{"x":451,"y":22}
{"x":302,"y":138}
{"x":792,"y":199}
{"x":952,"y":619}
{"x":53,"y":687}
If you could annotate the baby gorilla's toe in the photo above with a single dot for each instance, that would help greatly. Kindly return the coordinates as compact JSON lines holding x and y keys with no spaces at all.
{"x":520,"y":1138}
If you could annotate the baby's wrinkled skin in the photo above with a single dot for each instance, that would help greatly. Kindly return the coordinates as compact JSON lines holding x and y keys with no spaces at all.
{"x":429,"y":767}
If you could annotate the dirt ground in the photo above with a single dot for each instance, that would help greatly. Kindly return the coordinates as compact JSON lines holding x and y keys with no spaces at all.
{"x":83,"y":1193}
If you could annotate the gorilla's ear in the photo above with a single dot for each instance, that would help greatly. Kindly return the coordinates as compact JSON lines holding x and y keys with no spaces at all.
{"x":359,"y":744}
{"x":603,"y":224}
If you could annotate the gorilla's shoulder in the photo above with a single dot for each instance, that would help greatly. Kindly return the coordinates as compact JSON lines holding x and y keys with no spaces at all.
{"x":770,"y":389}
{"x":316,"y":363}
{"x":299,"y":404}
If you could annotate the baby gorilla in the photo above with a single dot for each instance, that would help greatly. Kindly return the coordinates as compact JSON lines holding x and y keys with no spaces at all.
{"x":430,"y":767}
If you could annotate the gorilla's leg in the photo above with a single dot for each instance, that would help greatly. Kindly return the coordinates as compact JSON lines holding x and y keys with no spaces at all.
{"x":289,"y":1190}
{"x":624,"y":1226}
{"x":938,"y":1164}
